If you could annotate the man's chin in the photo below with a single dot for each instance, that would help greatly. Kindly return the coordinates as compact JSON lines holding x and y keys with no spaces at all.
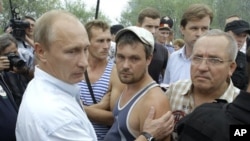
{"x":202,"y":87}
{"x":126,"y":81}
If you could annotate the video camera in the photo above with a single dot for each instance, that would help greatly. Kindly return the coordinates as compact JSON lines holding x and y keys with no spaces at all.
{"x":18,"y":26}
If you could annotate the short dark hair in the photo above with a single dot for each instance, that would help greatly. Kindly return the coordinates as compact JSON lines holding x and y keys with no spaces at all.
{"x":96,"y":24}
{"x":196,"y":12}
{"x":148,"y":12}
{"x":115,"y":28}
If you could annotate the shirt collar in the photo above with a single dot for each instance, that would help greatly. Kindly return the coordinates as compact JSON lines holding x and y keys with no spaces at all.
{"x":71,"y":89}
{"x":228,"y":94}
{"x":181,"y":53}
{"x":187,"y":88}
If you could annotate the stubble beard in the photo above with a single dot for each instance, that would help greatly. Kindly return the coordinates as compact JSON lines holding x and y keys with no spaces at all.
{"x":133,"y":79}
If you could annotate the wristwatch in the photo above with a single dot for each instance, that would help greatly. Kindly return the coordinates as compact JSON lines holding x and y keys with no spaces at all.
{"x":148,"y":136}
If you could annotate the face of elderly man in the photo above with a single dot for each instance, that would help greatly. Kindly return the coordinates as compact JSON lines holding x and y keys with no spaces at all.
{"x":211,"y":65}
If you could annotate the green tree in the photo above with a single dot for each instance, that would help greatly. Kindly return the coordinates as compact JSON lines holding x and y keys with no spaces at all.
{"x":77,"y":9}
{"x":35,"y":8}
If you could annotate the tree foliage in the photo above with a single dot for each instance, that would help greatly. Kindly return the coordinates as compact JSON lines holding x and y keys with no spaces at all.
{"x":35,"y":8}
{"x":173,"y":8}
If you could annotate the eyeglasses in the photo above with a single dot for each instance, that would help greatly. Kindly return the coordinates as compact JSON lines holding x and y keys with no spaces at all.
{"x":209,"y":61}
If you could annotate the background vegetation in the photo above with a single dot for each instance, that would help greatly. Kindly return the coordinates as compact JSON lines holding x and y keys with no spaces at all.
{"x":172,"y":8}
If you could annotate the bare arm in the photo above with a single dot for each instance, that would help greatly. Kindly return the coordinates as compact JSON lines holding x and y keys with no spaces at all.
{"x":102,"y":111}
{"x":101,"y":116}
{"x":160,"y":102}
{"x":159,"y":128}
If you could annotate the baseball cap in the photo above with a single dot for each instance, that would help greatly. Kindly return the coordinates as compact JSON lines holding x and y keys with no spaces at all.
{"x":166,"y":23}
{"x":238,"y":26}
{"x":144,"y":35}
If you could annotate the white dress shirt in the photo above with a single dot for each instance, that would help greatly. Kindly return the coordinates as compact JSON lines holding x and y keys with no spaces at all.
{"x":178,"y":67}
{"x":50,"y":112}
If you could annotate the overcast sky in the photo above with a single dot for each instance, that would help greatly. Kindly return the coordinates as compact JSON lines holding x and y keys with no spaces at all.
{"x":111,"y":8}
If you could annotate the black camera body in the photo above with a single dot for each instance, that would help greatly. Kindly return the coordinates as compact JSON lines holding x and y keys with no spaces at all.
{"x":18,"y":28}
{"x":15,"y":61}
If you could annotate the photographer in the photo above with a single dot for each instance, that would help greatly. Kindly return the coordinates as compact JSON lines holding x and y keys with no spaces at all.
{"x":8,"y":106}
{"x":13,"y":70}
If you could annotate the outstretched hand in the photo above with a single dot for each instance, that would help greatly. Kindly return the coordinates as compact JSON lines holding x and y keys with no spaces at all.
{"x":159,"y":128}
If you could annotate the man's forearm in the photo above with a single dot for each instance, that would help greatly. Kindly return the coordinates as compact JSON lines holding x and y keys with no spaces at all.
{"x":100,"y":116}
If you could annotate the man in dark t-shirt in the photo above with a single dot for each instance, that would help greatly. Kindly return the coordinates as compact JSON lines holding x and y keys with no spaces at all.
{"x":149,"y":18}
{"x":158,"y":63}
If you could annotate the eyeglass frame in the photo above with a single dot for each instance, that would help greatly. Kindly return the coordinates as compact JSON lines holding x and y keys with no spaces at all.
{"x":217,"y":61}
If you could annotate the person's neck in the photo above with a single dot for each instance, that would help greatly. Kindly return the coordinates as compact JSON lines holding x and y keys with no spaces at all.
{"x":131,"y":89}
{"x":96,"y":63}
{"x":188,"y":50}
{"x":134,"y":87}
{"x":203,"y":96}
{"x":30,"y":36}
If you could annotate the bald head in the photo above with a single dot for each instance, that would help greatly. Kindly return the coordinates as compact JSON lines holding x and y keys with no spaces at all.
{"x":61,"y":44}
{"x":50,"y":23}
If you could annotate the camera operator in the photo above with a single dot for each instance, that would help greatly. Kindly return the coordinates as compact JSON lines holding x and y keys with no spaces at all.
{"x":26,"y":46}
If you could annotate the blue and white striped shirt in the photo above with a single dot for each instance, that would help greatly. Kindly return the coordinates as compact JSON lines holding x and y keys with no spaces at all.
{"x":100,"y":88}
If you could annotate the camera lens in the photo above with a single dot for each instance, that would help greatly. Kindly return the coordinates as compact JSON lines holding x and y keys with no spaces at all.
{"x":17,"y":62}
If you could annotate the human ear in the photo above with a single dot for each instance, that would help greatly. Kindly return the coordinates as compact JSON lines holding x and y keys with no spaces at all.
{"x":40,"y":52}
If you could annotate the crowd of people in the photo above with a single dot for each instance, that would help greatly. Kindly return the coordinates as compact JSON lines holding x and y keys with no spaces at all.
{"x":70,"y":81}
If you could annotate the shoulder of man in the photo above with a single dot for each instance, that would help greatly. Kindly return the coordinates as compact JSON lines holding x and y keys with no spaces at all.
{"x":180,"y":87}
{"x":161,"y":48}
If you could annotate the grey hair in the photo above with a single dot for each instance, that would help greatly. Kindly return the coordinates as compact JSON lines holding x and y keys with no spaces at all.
{"x":232,"y":44}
